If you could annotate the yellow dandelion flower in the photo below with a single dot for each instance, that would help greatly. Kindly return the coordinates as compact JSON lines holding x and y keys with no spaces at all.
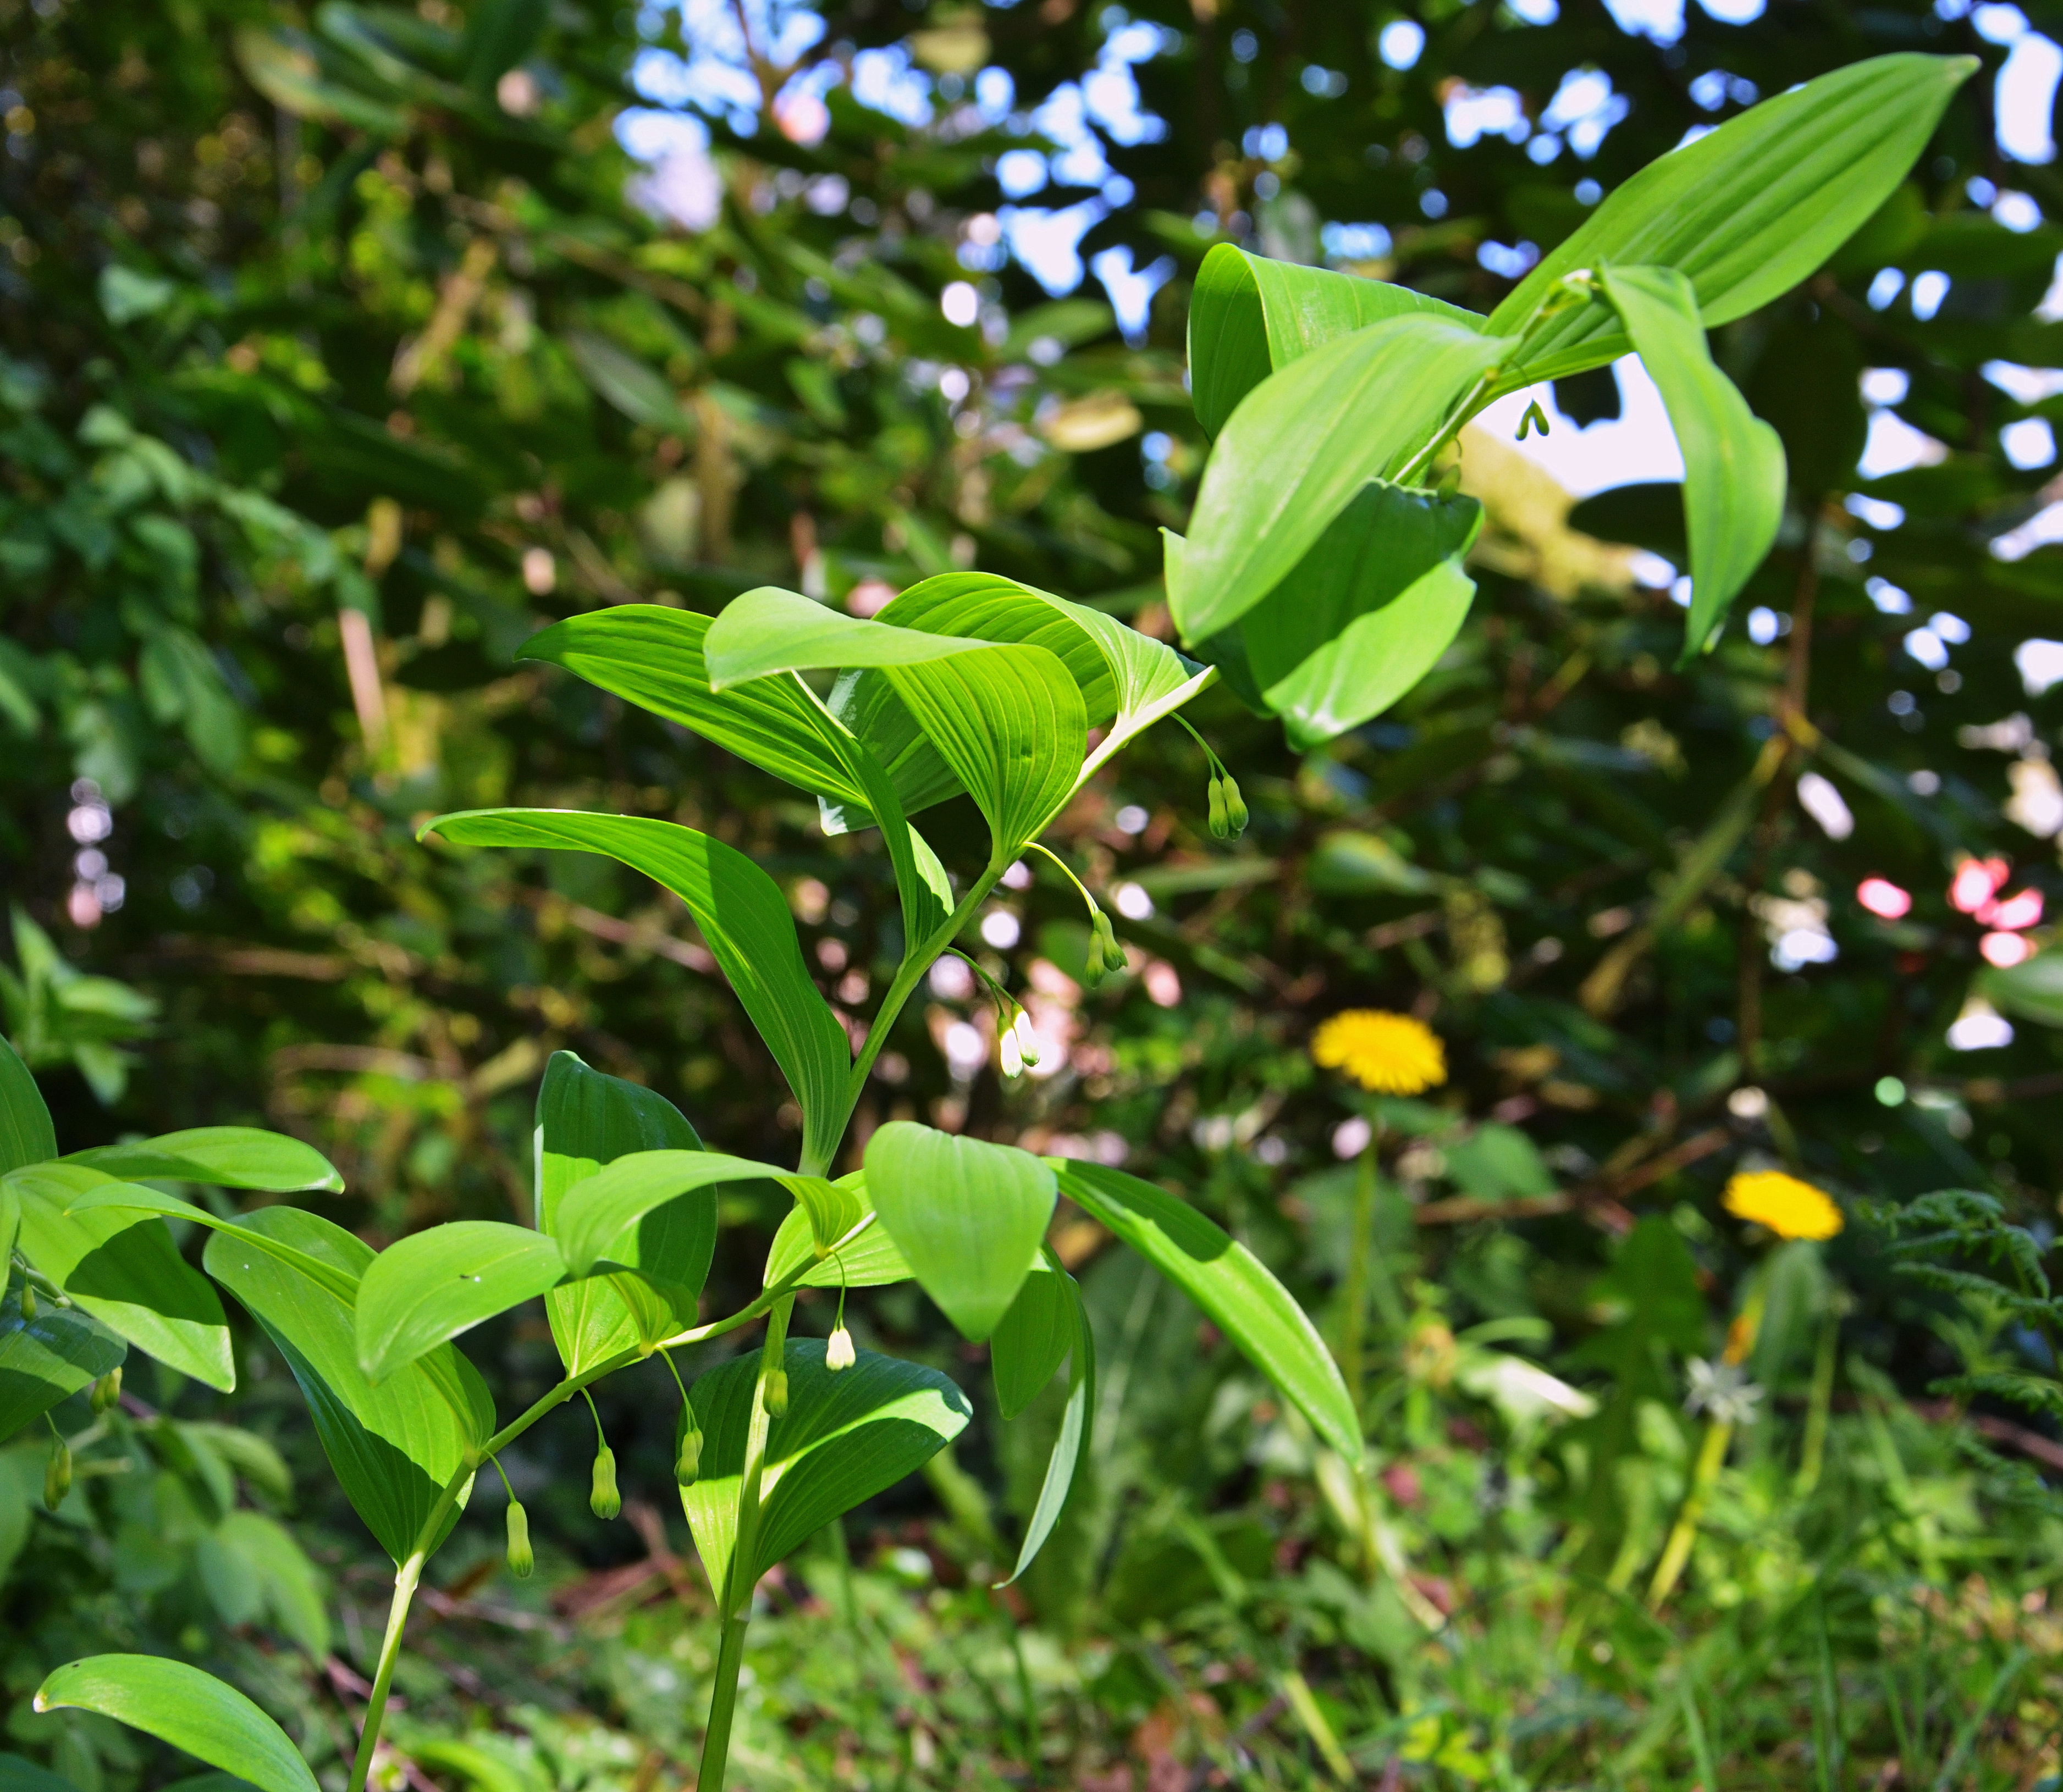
{"x":1392,"y":1055}
{"x":1788,"y":1207}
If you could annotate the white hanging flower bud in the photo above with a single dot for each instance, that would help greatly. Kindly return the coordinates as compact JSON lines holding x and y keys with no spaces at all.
{"x":1011,"y":1052}
{"x":838,"y":1353}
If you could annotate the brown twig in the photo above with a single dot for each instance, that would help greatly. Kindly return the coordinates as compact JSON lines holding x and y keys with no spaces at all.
{"x":1599,"y":1200}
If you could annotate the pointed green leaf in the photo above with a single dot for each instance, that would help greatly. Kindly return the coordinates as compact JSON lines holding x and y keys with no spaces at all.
{"x":130,"y":1277}
{"x":1733,"y":461}
{"x":1303,"y":442}
{"x":1127,"y":681}
{"x":1009,"y":723}
{"x":1034,"y":1338}
{"x":968,"y":1217}
{"x":869,"y":1261}
{"x":1232,"y":1286}
{"x":51,"y":1358}
{"x":832,"y":1210}
{"x":1747,"y":211}
{"x":766,"y":631}
{"x":26,"y":1136}
{"x":652,"y":656}
{"x":743,"y":917}
{"x":224,"y":1157}
{"x":599,"y":1217}
{"x":1071,"y":1448}
{"x":844,"y":1438}
{"x":1249,"y":315}
{"x":1367,"y":614}
{"x":586,"y":1119}
{"x":134,"y":1198}
{"x":205,"y":1717}
{"x":425,"y":1289}
{"x":393,"y":1446}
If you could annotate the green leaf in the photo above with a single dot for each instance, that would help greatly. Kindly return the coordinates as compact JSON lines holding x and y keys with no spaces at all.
{"x":1071,"y":1448}
{"x":2032,"y":989}
{"x":1303,"y":442}
{"x":743,"y":917}
{"x":224,"y":1157}
{"x":767,"y":630}
{"x":1009,"y":723}
{"x":1232,"y":1286}
{"x":1033,"y":1339}
{"x":18,"y":1775}
{"x":393,"y":1446}
{"x":425,"y":1289}
{"x":1250,"y":315}
{"x":130,"y":1277}
{"x":1366,"y":614}
{"x":968,"y":1217}
{"x":599,"y":1216}
{"x":205,"y":1717}
{"x":26,"y":1136}
{"x":639,"y":392}
{"x":286,"y":1580}
{"x":869,"y":1261}
{"x":586,"y":1119}
{"x":1746,"y":212}
{"x":62,"y":1350}
{"x":832,"y":1208}
{"x":653,"y":656}
{"x":1127,"y":681}
{"x":1733,"y":461}
{"x":134,"y":1198}
{"x":844,"y":1438}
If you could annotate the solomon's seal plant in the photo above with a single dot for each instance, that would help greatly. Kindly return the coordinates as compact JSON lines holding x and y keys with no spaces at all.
{"x":1323,"y":576}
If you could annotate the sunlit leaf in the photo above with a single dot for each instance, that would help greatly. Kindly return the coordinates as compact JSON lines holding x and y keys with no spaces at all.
{"x":128,"y":1275}
{"x":1747,"y":211}
{"x":194,"y":1711}
{"x":652,"y":656}
{"x":968,"y":1216}
{"x":425,"y":1289}
{"x":845,"y":1437}
{"x":870,"y":1260}
{"x":1733,"y":462}
{"x":1303,"y":442}
{"x":224,"y":1157}
{"x":393,"y":1446}
{"x":1251,"y":314}
{"x":586,"y":1119}
{"x":742,"y":915}
{"x":600,"y":1214}
{"x":1365,"y":615}
{"x":1232,"y":1286}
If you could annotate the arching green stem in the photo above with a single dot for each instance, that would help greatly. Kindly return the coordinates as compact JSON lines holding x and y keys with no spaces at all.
{"x":736,"y":1600}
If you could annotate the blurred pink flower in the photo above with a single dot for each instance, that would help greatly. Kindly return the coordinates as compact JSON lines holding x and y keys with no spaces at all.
{"x":1976,"y":881}
{"x":2006,"y":950}
{"x":1884,"y":898}
{"x":2022,"y":909}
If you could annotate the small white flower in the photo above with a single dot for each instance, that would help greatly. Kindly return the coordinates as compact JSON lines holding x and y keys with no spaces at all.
{"x":1723,"y":1391}
{"x":1012,"y":1052}
{"x":838,"y":1353}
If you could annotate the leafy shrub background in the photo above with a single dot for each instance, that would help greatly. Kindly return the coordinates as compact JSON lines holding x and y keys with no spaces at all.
{"x":327,"y":345}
